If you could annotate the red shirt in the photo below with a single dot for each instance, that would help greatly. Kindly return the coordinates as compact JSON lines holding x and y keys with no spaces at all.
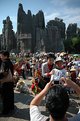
{"x":50,"y":68}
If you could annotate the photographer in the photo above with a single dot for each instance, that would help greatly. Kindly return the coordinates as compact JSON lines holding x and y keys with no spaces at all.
{"x":57,"y":102}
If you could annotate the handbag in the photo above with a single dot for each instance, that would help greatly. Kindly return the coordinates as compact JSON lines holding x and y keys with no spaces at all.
{"x":7,"y":78}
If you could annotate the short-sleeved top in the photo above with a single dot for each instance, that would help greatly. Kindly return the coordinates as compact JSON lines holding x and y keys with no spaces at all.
{"x":35,"y":115}
{"x":46,"y":68}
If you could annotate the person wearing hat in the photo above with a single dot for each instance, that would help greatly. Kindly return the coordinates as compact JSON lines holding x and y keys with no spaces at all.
{"x":73,"y":73}
{"x":59,"y":71}
{"x":47,"y":67}
{"x":7,"y":83}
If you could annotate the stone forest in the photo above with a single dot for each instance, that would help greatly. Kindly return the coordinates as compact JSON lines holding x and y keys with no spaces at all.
{"x":34,"y":36}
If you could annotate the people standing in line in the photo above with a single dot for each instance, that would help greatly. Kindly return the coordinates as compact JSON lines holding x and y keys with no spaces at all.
{"x":7,"y":83}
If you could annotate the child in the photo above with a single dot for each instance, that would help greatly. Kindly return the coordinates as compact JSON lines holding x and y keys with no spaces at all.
{"x":34,"y":87}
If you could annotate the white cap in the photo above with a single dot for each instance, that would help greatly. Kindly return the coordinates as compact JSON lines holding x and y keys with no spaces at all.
{"x":58,"y":59}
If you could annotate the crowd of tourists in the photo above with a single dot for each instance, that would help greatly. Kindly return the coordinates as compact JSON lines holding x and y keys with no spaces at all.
{"x":55,"y":66}
{"x":57,"y":72}
{"x":42,"y":66}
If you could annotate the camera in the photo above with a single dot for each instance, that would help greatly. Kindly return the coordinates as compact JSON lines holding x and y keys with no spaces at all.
{"x":55,"y":80}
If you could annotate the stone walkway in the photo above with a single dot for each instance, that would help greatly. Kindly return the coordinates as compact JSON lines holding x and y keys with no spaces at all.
{"x":22,"y":102}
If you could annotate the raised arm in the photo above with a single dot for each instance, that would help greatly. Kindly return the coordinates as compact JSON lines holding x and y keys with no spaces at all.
{"x":69,"y":83}
{"x":38,"y":98}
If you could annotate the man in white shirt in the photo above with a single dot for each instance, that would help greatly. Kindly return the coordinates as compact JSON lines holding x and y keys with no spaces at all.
{"x":46,"y":69}
{"x":57,"y":102}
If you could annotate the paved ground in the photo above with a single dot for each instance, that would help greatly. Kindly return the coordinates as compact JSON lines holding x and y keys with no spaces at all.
{"x":22,"y":102}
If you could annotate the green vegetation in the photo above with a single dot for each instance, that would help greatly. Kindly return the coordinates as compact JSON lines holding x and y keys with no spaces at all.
{"x":72,"y":45}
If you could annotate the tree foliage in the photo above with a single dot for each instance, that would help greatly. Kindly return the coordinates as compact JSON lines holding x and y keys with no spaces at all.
{"x":72,"y":45}
{"x":76,"y":44}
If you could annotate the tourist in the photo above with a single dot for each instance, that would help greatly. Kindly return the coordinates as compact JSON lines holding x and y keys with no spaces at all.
{"x":7,"y":83}
{"x":47,"y":67}
{"x":57,"y":102}
{"x":59,"y":70}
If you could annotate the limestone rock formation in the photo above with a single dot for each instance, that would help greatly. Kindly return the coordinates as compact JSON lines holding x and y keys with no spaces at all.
{"x":24,"y":29}
{"x":41,"y":38}
{"x":32,"y":35}
{"x":71,"y":30}
{"x":55,"y":34}
{"x":9,"y":39}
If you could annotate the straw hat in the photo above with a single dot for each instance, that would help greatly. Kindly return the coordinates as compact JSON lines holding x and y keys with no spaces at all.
{"x":63,"y":53}
{"x":21,"y":81}
{"x":73,"y":68}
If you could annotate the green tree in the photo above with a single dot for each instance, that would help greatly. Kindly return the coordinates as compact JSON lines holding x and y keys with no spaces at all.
{"x":68,"y":45}
{"x":76,"y":44}
{"x":72,"y":45}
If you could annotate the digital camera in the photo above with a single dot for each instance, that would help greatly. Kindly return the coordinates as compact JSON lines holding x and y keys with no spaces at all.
{"x":55,"y":80}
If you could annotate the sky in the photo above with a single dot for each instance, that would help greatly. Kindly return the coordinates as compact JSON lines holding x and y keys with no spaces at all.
{"x":68,"y":10}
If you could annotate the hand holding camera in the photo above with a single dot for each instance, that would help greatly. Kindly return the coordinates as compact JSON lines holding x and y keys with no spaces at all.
{"x":55,"y":79}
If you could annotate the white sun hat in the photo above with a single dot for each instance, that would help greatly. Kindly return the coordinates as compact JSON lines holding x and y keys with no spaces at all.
{"x":59,"y":59}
